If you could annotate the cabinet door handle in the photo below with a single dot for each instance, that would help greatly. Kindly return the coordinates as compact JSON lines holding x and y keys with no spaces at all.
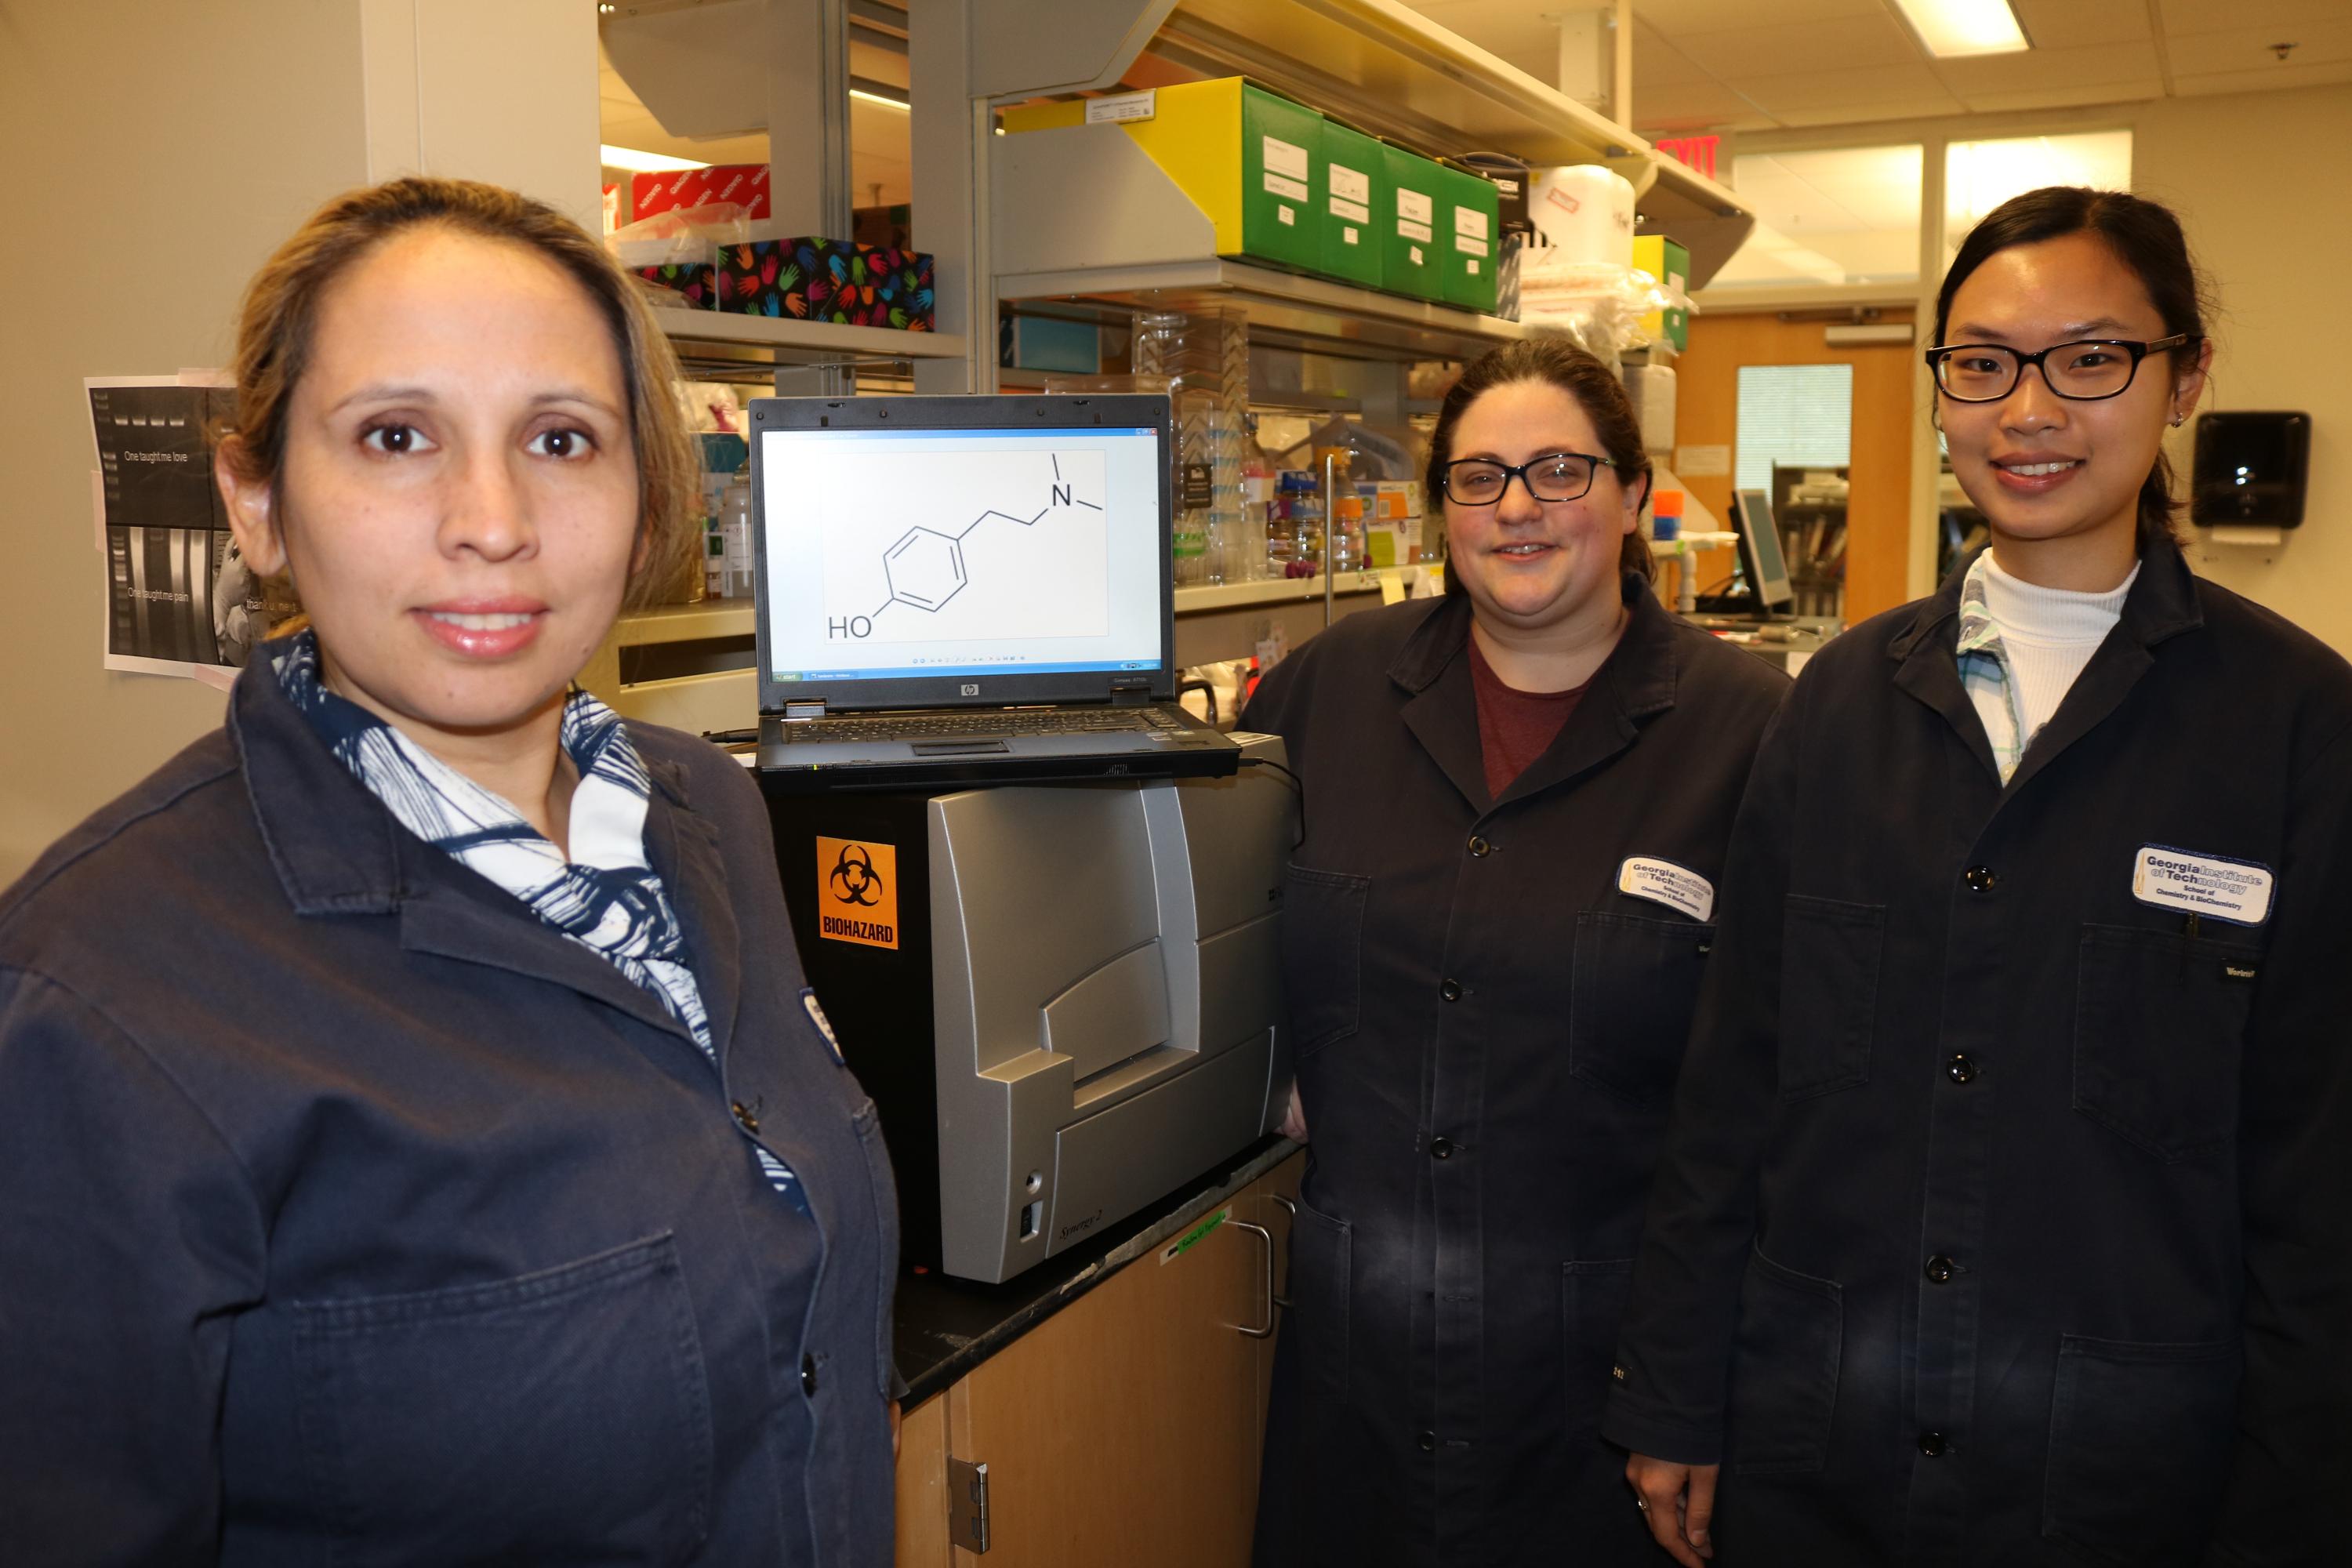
{"x":1267,"y":1236}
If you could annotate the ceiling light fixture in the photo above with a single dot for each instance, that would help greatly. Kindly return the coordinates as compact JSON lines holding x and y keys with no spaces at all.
{"x":644,"y":163}
{"x":1956,"y":29}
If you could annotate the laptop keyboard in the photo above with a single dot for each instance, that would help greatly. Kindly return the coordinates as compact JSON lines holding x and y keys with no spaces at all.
{"x":956,"y":726}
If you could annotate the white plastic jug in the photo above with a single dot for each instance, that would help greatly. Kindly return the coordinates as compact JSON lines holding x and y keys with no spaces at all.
{"x":1586,"y":211}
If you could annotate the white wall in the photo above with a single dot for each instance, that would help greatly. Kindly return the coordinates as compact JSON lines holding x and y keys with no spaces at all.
{"x":2258,"y":185}
{"x":155,"y":155}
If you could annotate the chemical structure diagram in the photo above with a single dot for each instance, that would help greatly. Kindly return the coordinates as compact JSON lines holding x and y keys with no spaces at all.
{"x":925,"y":568}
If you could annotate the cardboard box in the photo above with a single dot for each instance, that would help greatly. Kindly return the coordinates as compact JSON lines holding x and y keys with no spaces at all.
{"x":1669,"y":263}
{"x":1354,"y":167}
{"x":1244,"y":156}
{"x":835,"y":280}
{"x":746,"y":184}
{"x":1410,"y":260}
{"x":1470,"y":229}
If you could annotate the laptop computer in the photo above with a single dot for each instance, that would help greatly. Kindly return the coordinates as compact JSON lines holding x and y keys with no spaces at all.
{"x":967,"y":590}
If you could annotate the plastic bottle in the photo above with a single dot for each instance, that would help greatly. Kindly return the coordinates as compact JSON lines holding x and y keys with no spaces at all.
{"x":735,"y":529}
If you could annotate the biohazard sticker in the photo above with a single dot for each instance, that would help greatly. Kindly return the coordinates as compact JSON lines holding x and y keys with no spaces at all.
{"x":857,"y":891}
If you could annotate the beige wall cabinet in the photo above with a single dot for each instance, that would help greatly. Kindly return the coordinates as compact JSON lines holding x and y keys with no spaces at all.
{"x":1124,"y":1429}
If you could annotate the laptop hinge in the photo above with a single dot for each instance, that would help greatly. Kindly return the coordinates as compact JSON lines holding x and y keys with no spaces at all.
{"x":1130,"y":693}
{"x":796,"y":711}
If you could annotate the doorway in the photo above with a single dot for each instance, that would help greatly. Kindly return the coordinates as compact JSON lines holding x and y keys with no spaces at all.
{"x":1854,"y":546}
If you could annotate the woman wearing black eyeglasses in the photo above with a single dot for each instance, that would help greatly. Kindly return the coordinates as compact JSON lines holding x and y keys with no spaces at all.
{"x":2004,"y":1217}
{"x":1518,"y":800}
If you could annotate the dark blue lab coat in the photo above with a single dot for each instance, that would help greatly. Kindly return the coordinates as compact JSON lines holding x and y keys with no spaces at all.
{"x":349,"y":1214}
{"x":1488,"y":1033}
{"x":2006,"y":1217}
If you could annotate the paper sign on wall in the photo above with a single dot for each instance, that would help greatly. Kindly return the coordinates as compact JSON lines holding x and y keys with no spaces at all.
{"x":1702,"y":462}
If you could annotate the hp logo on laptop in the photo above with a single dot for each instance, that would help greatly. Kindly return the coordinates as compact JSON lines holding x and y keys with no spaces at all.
{"x":972,"y":689}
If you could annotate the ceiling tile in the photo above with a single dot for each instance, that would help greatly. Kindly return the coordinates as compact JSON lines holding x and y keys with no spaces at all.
{"x":1813,"y":92}
{"x":1690,"y":106}
{"x":1678,"y":17}
{"x":2227,"y":16}
{"x":2047,"y":68}
{"x":1735,"y":54}
{"x":1860,"y":114}
{"x":2249,"y":48}
{"x":2277,"y":77}
{"x":2010,"y":99}
{"x":1656,"y":59}
{"x":2071,"y":23}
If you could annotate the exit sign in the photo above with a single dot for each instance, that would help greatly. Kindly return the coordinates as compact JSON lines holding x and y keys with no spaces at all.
{"x":1694,"y":152}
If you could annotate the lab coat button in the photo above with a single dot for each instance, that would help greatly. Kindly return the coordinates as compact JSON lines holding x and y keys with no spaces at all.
{"x":1960,"y":1069}
{"x":808,"y":1375}
{"x":1428,"y":1442}
{"x":1479,"y":846}
{"x":1451,"y":991}
{"x":1932,"y":1445}
{"x":1980,"y":878}
{"x":1441,"y":1148}
{"x":743,"y":1117}
{"x":1939,"y":1269}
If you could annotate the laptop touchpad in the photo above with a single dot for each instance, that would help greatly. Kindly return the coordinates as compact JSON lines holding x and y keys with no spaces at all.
{"x":958,"y":748}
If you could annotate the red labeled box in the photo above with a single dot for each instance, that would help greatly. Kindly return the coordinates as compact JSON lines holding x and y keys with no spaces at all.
{"x":745,"y":184}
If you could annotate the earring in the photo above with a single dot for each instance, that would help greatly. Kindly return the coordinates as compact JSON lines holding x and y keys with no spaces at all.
{"x":2177,"y":420}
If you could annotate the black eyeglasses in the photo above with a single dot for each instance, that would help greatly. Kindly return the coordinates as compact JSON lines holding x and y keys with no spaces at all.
{"x":2084,"y":372}
{"x":1555,"y":475}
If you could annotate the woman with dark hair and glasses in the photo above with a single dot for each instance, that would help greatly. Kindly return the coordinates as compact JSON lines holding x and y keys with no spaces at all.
{"x":2002,"y":1219}
{"x":1517,"y":798}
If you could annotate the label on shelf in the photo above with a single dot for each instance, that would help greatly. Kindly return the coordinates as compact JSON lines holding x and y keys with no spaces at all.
{"x":1414,"y":206}
{"x":1419,"y":231}
{"x":1287,"y":215}
{"x":1120,"y":107}
{"x":1470,"y":221}
{"x":1353,"y":184}
{"x":1285,"y":158}
{"x":1356,"y":211}
{"x":1347,"y":237}
{"x":1469,"y":247}
{"x":1282,"y":185}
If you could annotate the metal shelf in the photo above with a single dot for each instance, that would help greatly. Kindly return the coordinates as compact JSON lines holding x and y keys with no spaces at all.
{"x":1286,"y":310}
{"x":791,"y":341}
{"x":1283,"y":589}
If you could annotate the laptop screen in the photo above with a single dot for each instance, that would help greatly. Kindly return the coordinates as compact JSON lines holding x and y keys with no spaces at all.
{"x":923,"y":554}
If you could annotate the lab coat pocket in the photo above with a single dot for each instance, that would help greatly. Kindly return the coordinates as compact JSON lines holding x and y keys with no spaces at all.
{"x":2140,"y":1442}
{"x":1321,"y":1277}
{"x":2159,"y":1021}
{"x":1828,"y":992}
{"x":1631,"y":991}
{"x":561,"y":1415}
{"x":1784,"y":1370}
{"x":1322,"y":954}
{"x":1592,"y":1300}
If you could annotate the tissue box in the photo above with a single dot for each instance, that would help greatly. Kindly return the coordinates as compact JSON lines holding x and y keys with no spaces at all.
{"x":835,"y":280}
{"x":694,"y":283}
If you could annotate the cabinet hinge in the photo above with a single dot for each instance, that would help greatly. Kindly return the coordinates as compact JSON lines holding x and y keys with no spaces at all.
{"x":968,"y":1505}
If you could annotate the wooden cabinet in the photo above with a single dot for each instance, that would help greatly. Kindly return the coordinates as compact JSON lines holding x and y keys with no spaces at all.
{"x":1126,"y":1428}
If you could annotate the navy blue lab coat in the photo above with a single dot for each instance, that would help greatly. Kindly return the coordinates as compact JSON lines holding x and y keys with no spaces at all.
{"x":2004,"y":1216}
{"x":1487,"y":1031}
{"x":348,"y":1212}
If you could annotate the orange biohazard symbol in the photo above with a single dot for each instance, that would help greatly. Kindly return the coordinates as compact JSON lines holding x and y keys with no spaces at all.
{"x":857,"y":891}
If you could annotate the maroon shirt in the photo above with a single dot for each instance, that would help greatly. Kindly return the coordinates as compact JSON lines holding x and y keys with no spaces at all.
{"x":1515,"y":727}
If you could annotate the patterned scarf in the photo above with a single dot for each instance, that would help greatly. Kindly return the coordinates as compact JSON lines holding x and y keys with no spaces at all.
{"x":606,"y":899}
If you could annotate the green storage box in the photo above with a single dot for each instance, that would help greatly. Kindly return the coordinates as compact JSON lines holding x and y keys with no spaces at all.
{"x":1411,"y":261}
{"x":1469,"y":228}
{"x":1354,"y":169}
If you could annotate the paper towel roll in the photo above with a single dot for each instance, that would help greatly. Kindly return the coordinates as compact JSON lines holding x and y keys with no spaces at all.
{"x":1587,"y":211}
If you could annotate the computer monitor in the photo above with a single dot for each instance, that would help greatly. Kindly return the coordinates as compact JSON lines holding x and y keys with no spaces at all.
{"x":1760,"y":559}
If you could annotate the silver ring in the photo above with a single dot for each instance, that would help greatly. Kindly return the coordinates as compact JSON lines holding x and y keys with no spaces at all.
{"x":1643,"y":1503}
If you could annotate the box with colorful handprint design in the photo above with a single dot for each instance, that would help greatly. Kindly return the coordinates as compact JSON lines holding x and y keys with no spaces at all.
{"x":692,"y":284}
{"x":833,"y":281}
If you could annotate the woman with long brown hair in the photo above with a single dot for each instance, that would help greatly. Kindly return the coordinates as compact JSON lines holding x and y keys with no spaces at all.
{"x":423,"y":1147}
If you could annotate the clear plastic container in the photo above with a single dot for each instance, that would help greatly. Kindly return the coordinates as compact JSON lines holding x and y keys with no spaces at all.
{"x":735,"y":530}
{"x":1205,"y":358}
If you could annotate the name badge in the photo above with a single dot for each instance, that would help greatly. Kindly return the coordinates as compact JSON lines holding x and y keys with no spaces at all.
{"x":1664,"y":882}
{"x":2237,"y":891}
{"x":824,"y":1024}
